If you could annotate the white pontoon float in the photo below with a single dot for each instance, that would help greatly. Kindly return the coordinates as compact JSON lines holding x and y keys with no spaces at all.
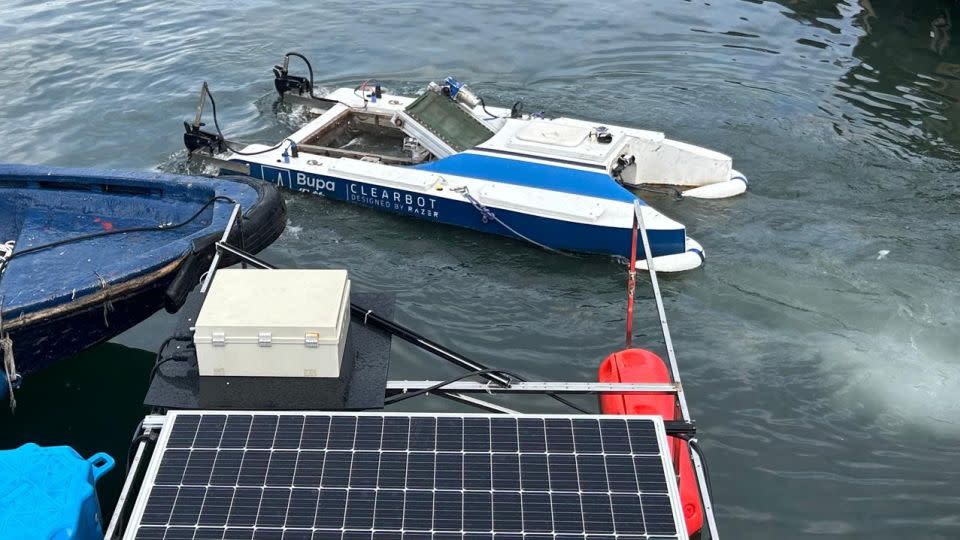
{"x":446,"y":157}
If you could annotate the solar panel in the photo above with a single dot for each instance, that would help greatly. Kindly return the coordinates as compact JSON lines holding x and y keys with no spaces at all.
{"x":383,"y":476}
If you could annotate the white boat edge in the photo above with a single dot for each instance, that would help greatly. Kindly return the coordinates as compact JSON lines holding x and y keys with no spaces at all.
{"x":690,"y":259}
{"x":736,"y":185}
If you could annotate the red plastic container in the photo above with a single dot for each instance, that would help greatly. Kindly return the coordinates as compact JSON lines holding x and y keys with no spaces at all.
{"x":642,"y":366}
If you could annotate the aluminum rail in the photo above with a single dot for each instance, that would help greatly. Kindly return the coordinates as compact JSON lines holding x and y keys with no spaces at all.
{"x":705,"y":496}
{"x":216,"y":256}
{"x":204,"y":92}
{"x":125,"y":491}
{"x":535,"y":387}
{"x":704,"y":493}
{"x":478,"y":403}
{"x":664,"y":327}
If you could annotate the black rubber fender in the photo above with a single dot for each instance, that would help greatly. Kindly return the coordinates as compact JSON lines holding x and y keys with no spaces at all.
{"x":262,"y":223}
{"x":194,"y":264}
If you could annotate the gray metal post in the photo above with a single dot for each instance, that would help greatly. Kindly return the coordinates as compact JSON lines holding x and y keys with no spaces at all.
{"x":648,"y":254}
{"x":216,"y":256}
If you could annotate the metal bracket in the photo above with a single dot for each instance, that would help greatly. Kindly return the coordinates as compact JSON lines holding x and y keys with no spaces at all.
{"x":154,"y":421}
{"x":284,"y":82}
{"x":195,"y":138}
{"x":679,"y":428}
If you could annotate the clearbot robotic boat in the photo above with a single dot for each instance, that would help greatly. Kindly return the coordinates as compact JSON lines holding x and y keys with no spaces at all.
{"x":444,"y":156}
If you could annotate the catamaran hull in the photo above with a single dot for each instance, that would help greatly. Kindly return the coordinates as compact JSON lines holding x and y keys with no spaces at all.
{"x":550,"y":232}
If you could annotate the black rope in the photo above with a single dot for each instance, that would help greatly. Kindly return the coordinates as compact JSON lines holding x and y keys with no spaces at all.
{"x":155,"y":228}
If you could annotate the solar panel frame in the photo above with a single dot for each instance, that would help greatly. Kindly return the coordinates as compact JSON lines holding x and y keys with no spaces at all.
{"x":545,"y":459}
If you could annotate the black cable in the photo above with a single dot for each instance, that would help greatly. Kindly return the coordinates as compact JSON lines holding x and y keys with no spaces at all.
{"x":156,"y":358}
{"x":314,"y":96}
{"x":360,"y":95}
{"x":133,"y":441}
{"x":156,"y":366}
{"x":138,"y":437}
{"x":158,"y":361}
{"x":309,"y":69}
{"x":216,"y":124}
{"x":706,"y":470}
{"x":569,"y":403}
{"x":484,"y":107}
{"x":558,"y":398}
{"x":415,"y":393}
{"x":133,"y":448}
{"x":155,"y":228}
{"x":420,"y":392}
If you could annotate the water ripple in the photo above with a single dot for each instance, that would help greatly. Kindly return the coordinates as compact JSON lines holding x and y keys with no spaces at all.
{"x":824,"y":379}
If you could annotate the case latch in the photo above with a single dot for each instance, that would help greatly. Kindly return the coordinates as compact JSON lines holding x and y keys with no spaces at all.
{"x":264,"y":339}
{"x":311,"y":339}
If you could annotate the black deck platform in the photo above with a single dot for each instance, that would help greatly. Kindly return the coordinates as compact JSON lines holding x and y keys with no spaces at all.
{"x":366,"y":362}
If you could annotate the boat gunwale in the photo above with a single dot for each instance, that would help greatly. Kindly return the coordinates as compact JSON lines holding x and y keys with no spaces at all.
{"x":104,"y":294}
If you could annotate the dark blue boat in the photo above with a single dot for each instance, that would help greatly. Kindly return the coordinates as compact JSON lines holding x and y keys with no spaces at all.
{"x":85,"y":255}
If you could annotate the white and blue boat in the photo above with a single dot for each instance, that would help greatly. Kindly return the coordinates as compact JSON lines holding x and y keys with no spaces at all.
{"x":444,"y":156}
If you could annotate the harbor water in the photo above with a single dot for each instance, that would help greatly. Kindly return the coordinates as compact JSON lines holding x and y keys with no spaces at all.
{"x":819,"y":344}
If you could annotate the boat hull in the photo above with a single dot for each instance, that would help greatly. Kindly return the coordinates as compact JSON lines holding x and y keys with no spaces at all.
{"x":66,"y":330}
{"x":550,"y":232}
{"x":45,"y":328}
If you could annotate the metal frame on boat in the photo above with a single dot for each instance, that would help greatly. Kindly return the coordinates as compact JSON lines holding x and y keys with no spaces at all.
{"x":459,"y":390}
{"x":446,"y":157}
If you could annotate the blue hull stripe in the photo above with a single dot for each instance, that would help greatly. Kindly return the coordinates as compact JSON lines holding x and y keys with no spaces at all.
{"x":558,"y":234}
{"x":530,"y":174}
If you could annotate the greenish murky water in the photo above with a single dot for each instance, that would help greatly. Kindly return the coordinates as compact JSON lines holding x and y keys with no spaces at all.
{"x":824,"y":375}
